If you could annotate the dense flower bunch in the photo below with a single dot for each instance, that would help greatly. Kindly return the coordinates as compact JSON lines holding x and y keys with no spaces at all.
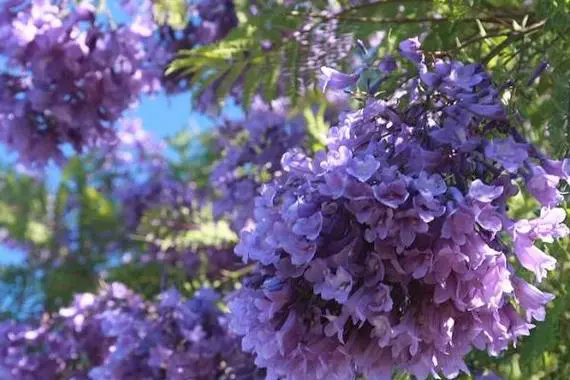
{"x":116,"y":335}
{"x":185,"y":339}
{"x":389,"y":251}
{"x":66,"y":70}
{"x":65,"y":345}
{"x":70,"y":77}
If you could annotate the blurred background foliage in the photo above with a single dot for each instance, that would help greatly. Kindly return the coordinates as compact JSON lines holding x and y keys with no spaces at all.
{"x":74,"y":236}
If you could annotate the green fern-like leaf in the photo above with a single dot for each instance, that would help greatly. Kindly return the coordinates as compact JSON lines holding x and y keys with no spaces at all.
{"x":294,"y":70}
{"x":270,"y":86}
{"x":229,"y":79}
{"x":250,"y":85}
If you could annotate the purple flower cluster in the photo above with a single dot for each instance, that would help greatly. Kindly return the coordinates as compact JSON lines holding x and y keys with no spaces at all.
{"x":70,"y":77}
{"x":115,"y":335}
{"x":186,"y":339}
{"x":159,"y":190}
{"x":388,"y":251}
{"x":138,"y":173}
{"x":67,"y":344}
{"x":251,"y":148}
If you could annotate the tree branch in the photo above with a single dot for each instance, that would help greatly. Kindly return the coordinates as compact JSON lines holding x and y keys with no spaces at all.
{"x":512,"y":38}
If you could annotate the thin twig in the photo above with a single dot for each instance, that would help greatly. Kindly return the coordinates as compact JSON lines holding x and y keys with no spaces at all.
{"x":479,"y":38}
{"x":512,"y":38}
{"x":407,"y":20}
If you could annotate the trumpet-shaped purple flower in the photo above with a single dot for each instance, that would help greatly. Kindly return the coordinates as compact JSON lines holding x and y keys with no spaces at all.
{"x":336,"y":80}
{"x":547,"y":227}
{"x":363,"y":168}
{"x":543,"y":187}
{"x":391,"y":194}
{"x":510,"y":154}
{"x":531,"y":299}
{"x":410,"y":49}
{"x":481,"y":192}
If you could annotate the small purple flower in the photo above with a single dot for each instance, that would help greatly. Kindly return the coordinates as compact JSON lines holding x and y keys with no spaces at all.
{"x":428,"y":208}
{"x":391,"y":194}
{"x":330,"y":283}
{"x":532,"y":258}
{"x":458,"y":225}
{"x":489,"y":219}
{"x":508,"y":153}
{"x":300,"y":249}
{"x":381,"y":300}
{"x":335,"y":184}
{"x":531,"y":299}
{"x":539,"y":69}
{"x":387,"y":64}
{"x":549,"y":225}
{"x":490,"y":111}
{"x":417,"y":263}
{"x":410,"y":49}
{"x":309,"y":227}
{"x":381,"y":329}
{"x":435,"y":78}
{"x":364,"y":304}
{"x":409,"y":224}
{"x":364,"y":168}
{"x":339,"y":157}
{"x":542,"y":186}
{"x":337,"y":80}
{"x":559,"y":168}
{"x":296,"y":160}
{"x":484,"y":193}
{"x":430,"y":186}
{"x":464,"y":77}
